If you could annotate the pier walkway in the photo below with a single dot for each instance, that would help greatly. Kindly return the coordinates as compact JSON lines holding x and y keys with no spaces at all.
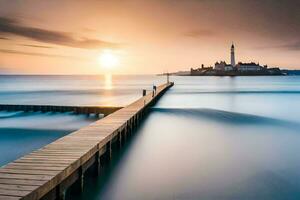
{"x":48,"y":172}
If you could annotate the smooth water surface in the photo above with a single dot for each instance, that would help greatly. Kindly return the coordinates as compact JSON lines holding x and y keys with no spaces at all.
{"x":212,"y":138}
{"x":21,"y":133}
{"x":110,"y":90}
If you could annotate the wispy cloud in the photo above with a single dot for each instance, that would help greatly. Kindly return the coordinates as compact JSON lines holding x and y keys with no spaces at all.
{"x":295,"y":46}
{"x":292,"y":46}
{"x":10,"y":26}
{"x":4,"y":38}
{"x":8,"y":51}
{"x":199,"y":33}
{"x":36,"y":46}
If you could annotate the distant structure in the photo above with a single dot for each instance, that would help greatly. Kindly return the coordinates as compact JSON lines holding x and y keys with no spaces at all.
{"x":238,"y":69}
{"x":223,"y":66}
{"x":241,"y":69}
{"x":248,"y":67}
{"x":232,"y":56}
{"x":201,"y":70}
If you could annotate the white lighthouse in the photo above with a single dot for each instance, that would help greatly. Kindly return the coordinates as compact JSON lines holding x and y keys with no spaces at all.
{"x":232,"y":56}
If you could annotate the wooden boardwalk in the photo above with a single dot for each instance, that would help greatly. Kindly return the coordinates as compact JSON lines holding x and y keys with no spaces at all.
{"x":47,"y":173}
{"x":97,"y":110}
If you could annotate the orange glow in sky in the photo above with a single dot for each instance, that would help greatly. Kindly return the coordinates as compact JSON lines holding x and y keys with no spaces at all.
{"x":142,"y":37}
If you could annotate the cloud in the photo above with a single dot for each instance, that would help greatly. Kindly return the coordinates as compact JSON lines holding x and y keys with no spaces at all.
{"x":10,"y":26}
{"x":36,"y":46}
{"x":292,"y":46}
{"x":8,"y":51}
{"x":4,"y":38}
{"x":199,"y":33}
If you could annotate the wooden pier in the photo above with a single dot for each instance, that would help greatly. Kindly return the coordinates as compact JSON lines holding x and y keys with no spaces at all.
{"x":48,"y":172}
{"x":97,"y":110}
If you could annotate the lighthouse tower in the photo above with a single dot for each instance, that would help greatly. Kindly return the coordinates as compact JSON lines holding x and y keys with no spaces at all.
{"x":232,"y":56}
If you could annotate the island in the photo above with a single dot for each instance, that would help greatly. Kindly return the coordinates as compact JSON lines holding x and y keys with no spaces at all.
{"x":240,"y":69}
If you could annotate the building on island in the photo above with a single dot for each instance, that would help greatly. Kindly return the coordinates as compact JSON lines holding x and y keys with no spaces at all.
{"x":232,"y":55}
{"x":248,"y":67}
{"x":223,"y":66}
{"x":200,"y":70}
{"x":240,"y":69}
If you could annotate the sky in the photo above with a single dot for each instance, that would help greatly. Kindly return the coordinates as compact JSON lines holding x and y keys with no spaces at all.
{"x":145,"y":36}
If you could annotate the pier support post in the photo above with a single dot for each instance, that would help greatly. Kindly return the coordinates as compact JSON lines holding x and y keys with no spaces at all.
{"x":120,"y":138}
{"x":98,"y":164}
{"x":60,"y":193}
{"x":79,"y":183}
{"x":135,"y":122}
{"x":81,"y":179}
{"x":138,"y":118}
{"x":124,"y":135}
{"x":127,"y":129}
{"x":108,"y":151}
{"x":132,"y":123}
{"x":131,"y":126}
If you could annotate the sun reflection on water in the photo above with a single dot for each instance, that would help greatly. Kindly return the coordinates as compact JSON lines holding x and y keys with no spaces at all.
{"x":108,"y":85}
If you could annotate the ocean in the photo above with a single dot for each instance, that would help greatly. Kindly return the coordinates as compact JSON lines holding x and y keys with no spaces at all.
{"x":206,"y":138}
{"x":21,"y":133}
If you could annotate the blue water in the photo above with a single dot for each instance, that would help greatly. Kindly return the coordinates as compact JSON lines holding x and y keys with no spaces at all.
{"x":75,"y":90}
{"x":206,"y":138}
{"x":21,"y":133}
{"x":31,"y":131}
{"x":212,"y":138}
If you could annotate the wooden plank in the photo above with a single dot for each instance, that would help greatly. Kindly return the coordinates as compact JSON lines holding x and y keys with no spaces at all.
{"x":26,"y":171}
{"x":65,"y":158}
{"x":18,"y":187}
{"x":34,"y":167}
{"x":58,"y":158}
{"x":16,"y":193}
{"x":4,"y":197}
{"x":59,"y":151}
{"x":55,"y":154}
{"x":21,"y":182}
{"x":39,"y":164}
{"x":68,"y":147}
{"x":36,"y":161}
{"x":25,"y":176}
{"x":69,"y":157}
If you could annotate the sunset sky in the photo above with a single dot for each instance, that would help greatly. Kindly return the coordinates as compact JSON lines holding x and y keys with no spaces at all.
{"x":145,"y":36}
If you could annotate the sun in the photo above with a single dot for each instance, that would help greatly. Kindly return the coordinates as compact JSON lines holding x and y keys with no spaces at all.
{"x":108,"y":59}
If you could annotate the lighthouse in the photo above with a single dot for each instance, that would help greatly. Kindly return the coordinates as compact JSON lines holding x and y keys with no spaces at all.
{"x":232,"y":56}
